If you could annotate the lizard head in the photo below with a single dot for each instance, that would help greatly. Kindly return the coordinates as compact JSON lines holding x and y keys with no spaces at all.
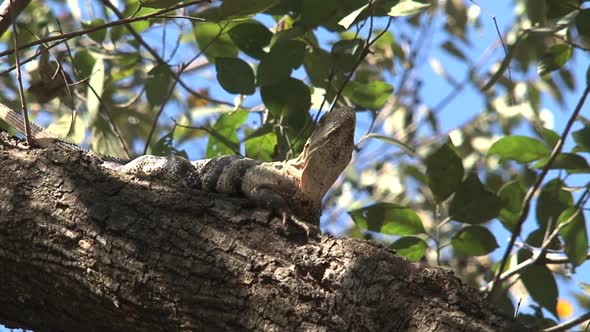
{"x":327,"y":152}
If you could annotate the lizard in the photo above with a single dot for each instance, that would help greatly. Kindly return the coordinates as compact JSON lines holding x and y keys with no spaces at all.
{"x":292,"y":188}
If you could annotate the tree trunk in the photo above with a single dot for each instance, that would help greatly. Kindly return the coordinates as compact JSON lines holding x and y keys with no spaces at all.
{"x":85,"y":250}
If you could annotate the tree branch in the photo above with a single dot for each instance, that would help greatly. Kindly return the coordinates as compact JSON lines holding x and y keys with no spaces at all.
{"x":80,"y":245}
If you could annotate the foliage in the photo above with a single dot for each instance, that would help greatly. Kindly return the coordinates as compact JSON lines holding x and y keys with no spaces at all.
{"x":430,"y":193}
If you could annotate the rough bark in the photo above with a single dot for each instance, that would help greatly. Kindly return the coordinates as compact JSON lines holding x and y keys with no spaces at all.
{"x":83,"y":250}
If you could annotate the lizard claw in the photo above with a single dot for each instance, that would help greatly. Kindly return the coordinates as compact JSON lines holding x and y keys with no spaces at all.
{"x":310,"y":230}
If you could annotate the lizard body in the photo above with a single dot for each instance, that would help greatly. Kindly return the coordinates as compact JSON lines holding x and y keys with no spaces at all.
{"x":293,"y":187}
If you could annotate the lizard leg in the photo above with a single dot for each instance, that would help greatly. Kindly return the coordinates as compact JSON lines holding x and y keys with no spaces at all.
{"x":271,"y":200}
{"x":308,"y":228}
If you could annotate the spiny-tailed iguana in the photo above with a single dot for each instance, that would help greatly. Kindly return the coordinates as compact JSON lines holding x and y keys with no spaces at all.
{"x":292,"y":188}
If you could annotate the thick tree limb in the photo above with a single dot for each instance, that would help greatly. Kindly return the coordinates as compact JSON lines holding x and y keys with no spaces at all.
{"x":81,"y":250}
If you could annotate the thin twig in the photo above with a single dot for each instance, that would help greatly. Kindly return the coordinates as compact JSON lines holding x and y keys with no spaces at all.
{"x":21,"y":92}
{"x":364,"y":53}
{"x":102,"y":26}
{"x":533,"y":190}
{"x":190,"y":18}
{"x":34,"y":56}
{"x":160,"y":111}
{"x":572,"y":44}
{"x":571,"y":323}
{"x":59,"y":69}
{"x":559,"y":260}
{"x":493,"y":17}
{"x":104,"y":110}
{"x":213,"y":133}
{"x":157,"y":57}
{"x":538,"y":256}
{"x":446,"y":100}
{"x":517,"y":307}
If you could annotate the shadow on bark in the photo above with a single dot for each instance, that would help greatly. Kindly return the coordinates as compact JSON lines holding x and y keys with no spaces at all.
{"x":81,"y":249}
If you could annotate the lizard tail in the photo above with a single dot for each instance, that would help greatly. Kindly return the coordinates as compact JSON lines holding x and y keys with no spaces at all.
{"x":16,"y":121}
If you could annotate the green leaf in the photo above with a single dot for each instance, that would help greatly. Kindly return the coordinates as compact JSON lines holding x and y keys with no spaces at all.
{"x":83,"y":61}
{"x":237,"y":8}
{"x":411,"y":247}
{"x":372,"y":95}
{"x":540,"y":283}
{"x":553,"y":199}
{"x":313,"y":12}
{"x":474,"y":241}
{"x":558,"y":8}
{"x":392,"y":140}
{"x":347,"y":52}
{"x":347,"y":21}
{"x":582,"y":138}
{"x":260,"y":145}
{"x":452,"y":49}
{"x":278,"y":64}
{"x":386,"y":218}
{"x":224,"y":139}
{"x":138,"y":26}
{"x":165,"y":146}
{"x":444,"y":169}
{"x":554,"y":58}
{"x":416,"y":173}
{"x":473,"y":203}
{"x":251,"y":37}
{"x":537,"y":237}
{"x":95,"y":90}
{"x":501,"y":300}
{"x":214,"y":41}
{"x":549,"y":136}
{"x":575,"y":235}
{"x":319,"y":67}
{"x":70,"y":126}
{"x":98,"y":35}
{"x":135,"y":9}
{"x":512,"y":50}
{"x":235,"y":75}
{"x":583,"y":24}
{"x":560,"y":20}
{"x":158,"y":3}
{"x":157,"y":85}
{"x":521,"y":149}
{"x":104,"y":141}
{"x":568,"y":161}
{"x":512,"y":195}
{"x":535,"y":322}
{"x":297,"y":100}
{"x":407,"y":7}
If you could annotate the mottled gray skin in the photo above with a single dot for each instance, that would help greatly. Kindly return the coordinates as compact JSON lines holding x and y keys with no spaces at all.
{"x":291,"y":188}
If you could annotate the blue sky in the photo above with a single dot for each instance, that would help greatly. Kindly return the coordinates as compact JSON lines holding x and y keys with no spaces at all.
{"x":463,"y":106}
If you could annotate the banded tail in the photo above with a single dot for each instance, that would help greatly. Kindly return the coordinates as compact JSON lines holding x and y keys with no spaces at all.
{"x":15,"y":120}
